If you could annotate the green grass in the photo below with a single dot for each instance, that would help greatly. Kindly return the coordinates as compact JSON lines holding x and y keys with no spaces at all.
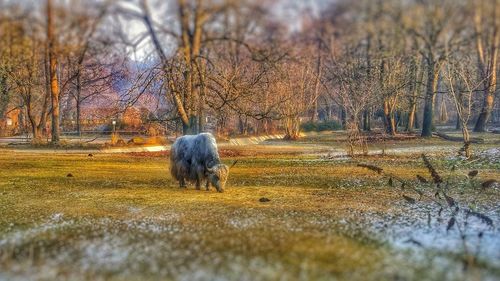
{"x":121,"y":217}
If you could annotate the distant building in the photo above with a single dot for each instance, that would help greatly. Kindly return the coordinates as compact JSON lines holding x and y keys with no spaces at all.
{"x":94,"y":117}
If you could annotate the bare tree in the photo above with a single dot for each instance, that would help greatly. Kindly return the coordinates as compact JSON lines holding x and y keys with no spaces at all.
{"x":461,"y":89}
{"x":54,"y":84}
{"x":436,"y":24}
{"x":192,"y":17}
{"x":487,"y":35}
{"x":82,"y":50}
{"x":25,"y":69}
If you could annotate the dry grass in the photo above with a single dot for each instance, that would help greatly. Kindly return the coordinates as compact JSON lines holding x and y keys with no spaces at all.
{"x":122,"y":217}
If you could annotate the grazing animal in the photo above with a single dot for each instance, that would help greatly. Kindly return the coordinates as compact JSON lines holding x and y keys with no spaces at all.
{"x":195,"y":158}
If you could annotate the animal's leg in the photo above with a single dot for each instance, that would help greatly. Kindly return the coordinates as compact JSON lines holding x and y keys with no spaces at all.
{"x":207,"y":185}
{"x":199,"y":178}
{"x":182,"y":183}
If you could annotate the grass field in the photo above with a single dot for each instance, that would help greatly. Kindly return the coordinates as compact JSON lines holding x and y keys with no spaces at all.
{"x":121,"y":217}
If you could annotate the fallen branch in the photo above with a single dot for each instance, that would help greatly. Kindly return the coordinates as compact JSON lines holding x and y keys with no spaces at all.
{"x":457,"y":139}
{"x":89,"y":141}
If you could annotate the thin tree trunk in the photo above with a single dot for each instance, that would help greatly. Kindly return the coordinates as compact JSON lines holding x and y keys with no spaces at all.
{"x":43,"y":115}
{"x":443,"y":112}
{"x":245,"y":126}
{"x":54,"y":85}
{"x":200,"y":66}
{"x":467,"y":142}
{"x":317,"y":83}
{"x":367,"y":120}
{"x":410,"y":125}
{"x":393,"y":124}
{"x":4,"y":95}
{"x":78,"y":105}
{"x":416,"y":90}
{"x":367,"y":112}
{"x":343,"y":118}
{"x":458,"y":124}
{"x":201,"y":115}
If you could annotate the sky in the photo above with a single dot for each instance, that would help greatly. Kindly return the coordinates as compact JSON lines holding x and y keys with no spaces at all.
{"x":290,"y":11}
{"x":286,"y":10}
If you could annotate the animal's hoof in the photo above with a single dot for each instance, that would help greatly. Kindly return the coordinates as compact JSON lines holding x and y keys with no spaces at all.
{"x":264,"y":199}
{"x":220,"y":190}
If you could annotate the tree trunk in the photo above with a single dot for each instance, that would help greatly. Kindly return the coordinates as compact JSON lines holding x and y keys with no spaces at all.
{"x":416,"y":90}
{"x":78,"y":105}
{"x":4,"y":95}
{"x":314,"y":113}
{"x":393,"y":124}
{"x":367,"y":112}
{"x":428,"y":115}
{"x":458,"y":125}
{"x":292,"y":128}
{"x":467,"y":142}
{"x":367,"y":120}
{"x":78,"y":120}
{"x":54,"y":85}
{"x":485,"y":114}
{"x":245,"y":126}
{"x":343,"y":118}
{"x":201,"y":120}
{"x":35,"y":129}
{"x":487,"y":67}
{"x":190,"y":128}
{"x":410,"y":125}
{"x":314,"y":116}
{"x":201,"y":115}
{"x":191,"y":34}
{"x":47,"y":98}
{"x":430,"y":96}
{"x":389,"y":120}
{"x":201,"y":67}
{"x":37,"y":135}
{"x":328,"y":111}
{"x":240,"y":125}
{"x":183,"y":99}
{"x":443,"y":112}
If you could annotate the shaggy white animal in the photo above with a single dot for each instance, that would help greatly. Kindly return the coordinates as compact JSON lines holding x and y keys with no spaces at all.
{"x":195,"y":158}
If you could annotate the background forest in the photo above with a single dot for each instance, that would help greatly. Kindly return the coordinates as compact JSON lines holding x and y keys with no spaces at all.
{"x":247,"y":67}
